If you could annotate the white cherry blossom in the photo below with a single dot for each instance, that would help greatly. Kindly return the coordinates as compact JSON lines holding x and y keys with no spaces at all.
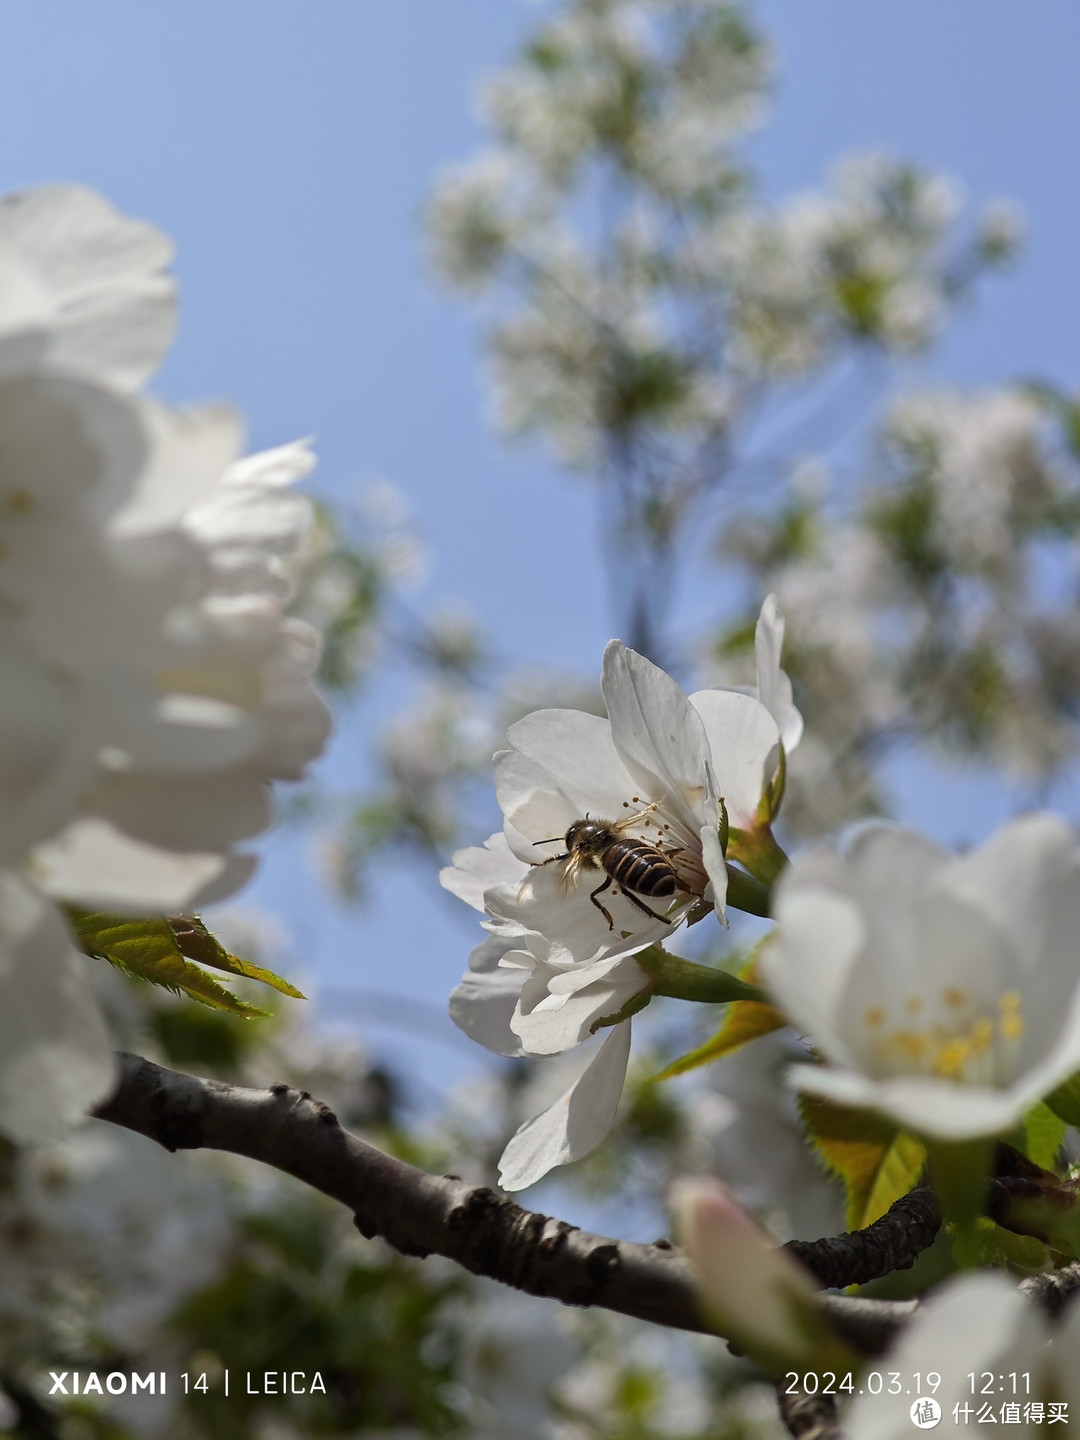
{"x":943,"y":991}
{"x":559,"y":967}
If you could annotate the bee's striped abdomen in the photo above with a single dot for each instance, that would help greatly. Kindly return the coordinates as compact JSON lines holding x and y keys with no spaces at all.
{"x":637,"y":865}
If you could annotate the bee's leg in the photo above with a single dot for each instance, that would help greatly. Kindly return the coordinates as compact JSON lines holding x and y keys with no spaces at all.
{"x":642,"y":906}
{"x":603,"y":910}
{"x":539,"y":864}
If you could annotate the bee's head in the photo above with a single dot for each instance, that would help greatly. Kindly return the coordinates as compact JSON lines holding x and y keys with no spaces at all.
{"x":586,"y":834}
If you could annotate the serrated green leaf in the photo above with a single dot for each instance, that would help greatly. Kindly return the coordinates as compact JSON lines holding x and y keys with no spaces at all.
{"x":744,"y":1021}
{"x":1065,"y":1100}
{"x":148,"y":949}
{"x":196,"y":942}
{"x":876,"y":1161}
{"x":1044,"y":1132}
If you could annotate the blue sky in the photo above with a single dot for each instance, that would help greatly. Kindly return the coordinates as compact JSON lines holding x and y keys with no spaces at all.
{"x":288,"y":147}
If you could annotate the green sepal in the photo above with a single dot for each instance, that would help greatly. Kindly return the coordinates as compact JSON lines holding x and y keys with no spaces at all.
{"x":774,"y":793}
{"x":876,"y":1160}
{"x":757,"y":850}
{"x":635,"y":1004}
{"x":686,"y":980}
{"x":149,"y":948}
{"x":746,"y":892}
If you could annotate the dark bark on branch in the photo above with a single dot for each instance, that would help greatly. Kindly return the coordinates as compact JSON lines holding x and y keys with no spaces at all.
{"x":421,"y":1214}
{"x":808,"y":1417}
{"x":417,"y":1213}
{"x":1054,"y":1290}
{"x":893,"y":1242}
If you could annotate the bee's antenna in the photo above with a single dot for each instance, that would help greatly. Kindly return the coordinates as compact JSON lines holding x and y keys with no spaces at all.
{"x":552,"y":841}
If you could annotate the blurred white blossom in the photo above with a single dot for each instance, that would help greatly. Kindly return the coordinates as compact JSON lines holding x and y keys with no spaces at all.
{"x":943,"y":992}
{"x":154,"y":685}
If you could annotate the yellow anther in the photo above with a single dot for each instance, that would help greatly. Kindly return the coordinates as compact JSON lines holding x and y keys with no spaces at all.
{"x":982,"y":1035}
{"x":20,"y":501}
{"x":951,"y":1058}
{"x":914,"y":1004}
{"x":954,"y":998}
{"x":875,"y":1016}
{"x":911,"y":1044}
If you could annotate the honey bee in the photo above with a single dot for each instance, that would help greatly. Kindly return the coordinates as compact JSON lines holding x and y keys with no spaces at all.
{"x":595,"y":844}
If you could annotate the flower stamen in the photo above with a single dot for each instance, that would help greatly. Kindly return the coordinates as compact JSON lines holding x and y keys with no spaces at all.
{"x":974,"y":1052}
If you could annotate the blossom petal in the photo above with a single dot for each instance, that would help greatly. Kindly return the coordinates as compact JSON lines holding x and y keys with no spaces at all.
{"x":656,"y":732}
{"x":55,"y":1057}
{"x":112,"y":302}
{"x":558,"y":1008}
{"x":188,"y":812}
{"x":576,"y":748}
{"x":486,"y":998}
{"x":1026,"y":879}
{"x":93,"y":863}
{"x":188,"y":451}
{"x":478,"y":868}
{"x":712,"y":852}
{"x":809,"y":961}
{"x":761,"y":1296}
{"x":745,"y":747}
{"x":569,"y":920}
{"x":944,"y":1109}
{"x":773,"y":684}
{"x":979,"y":1322}
{"x":576,"y":1123}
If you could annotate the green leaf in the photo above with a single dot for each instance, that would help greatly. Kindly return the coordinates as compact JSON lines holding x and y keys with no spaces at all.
{"x":197,"y":943}
{"x":1003,"y":1248}
{"x":876,"y":1161}
{"x":149,"y":949}
{"x":1044,"y":1132}
{"x":744,"y":1021}
{"x":1065,"y":1100}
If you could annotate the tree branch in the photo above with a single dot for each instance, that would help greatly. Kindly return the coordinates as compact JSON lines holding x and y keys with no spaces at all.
{"x":807,"y":1417}
{"x":417,"y":1213}
{"x":421,"y":1214}
{"x":893,"y":1242}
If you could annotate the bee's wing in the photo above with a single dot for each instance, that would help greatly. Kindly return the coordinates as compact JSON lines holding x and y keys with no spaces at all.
{"x":570,"y":870}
